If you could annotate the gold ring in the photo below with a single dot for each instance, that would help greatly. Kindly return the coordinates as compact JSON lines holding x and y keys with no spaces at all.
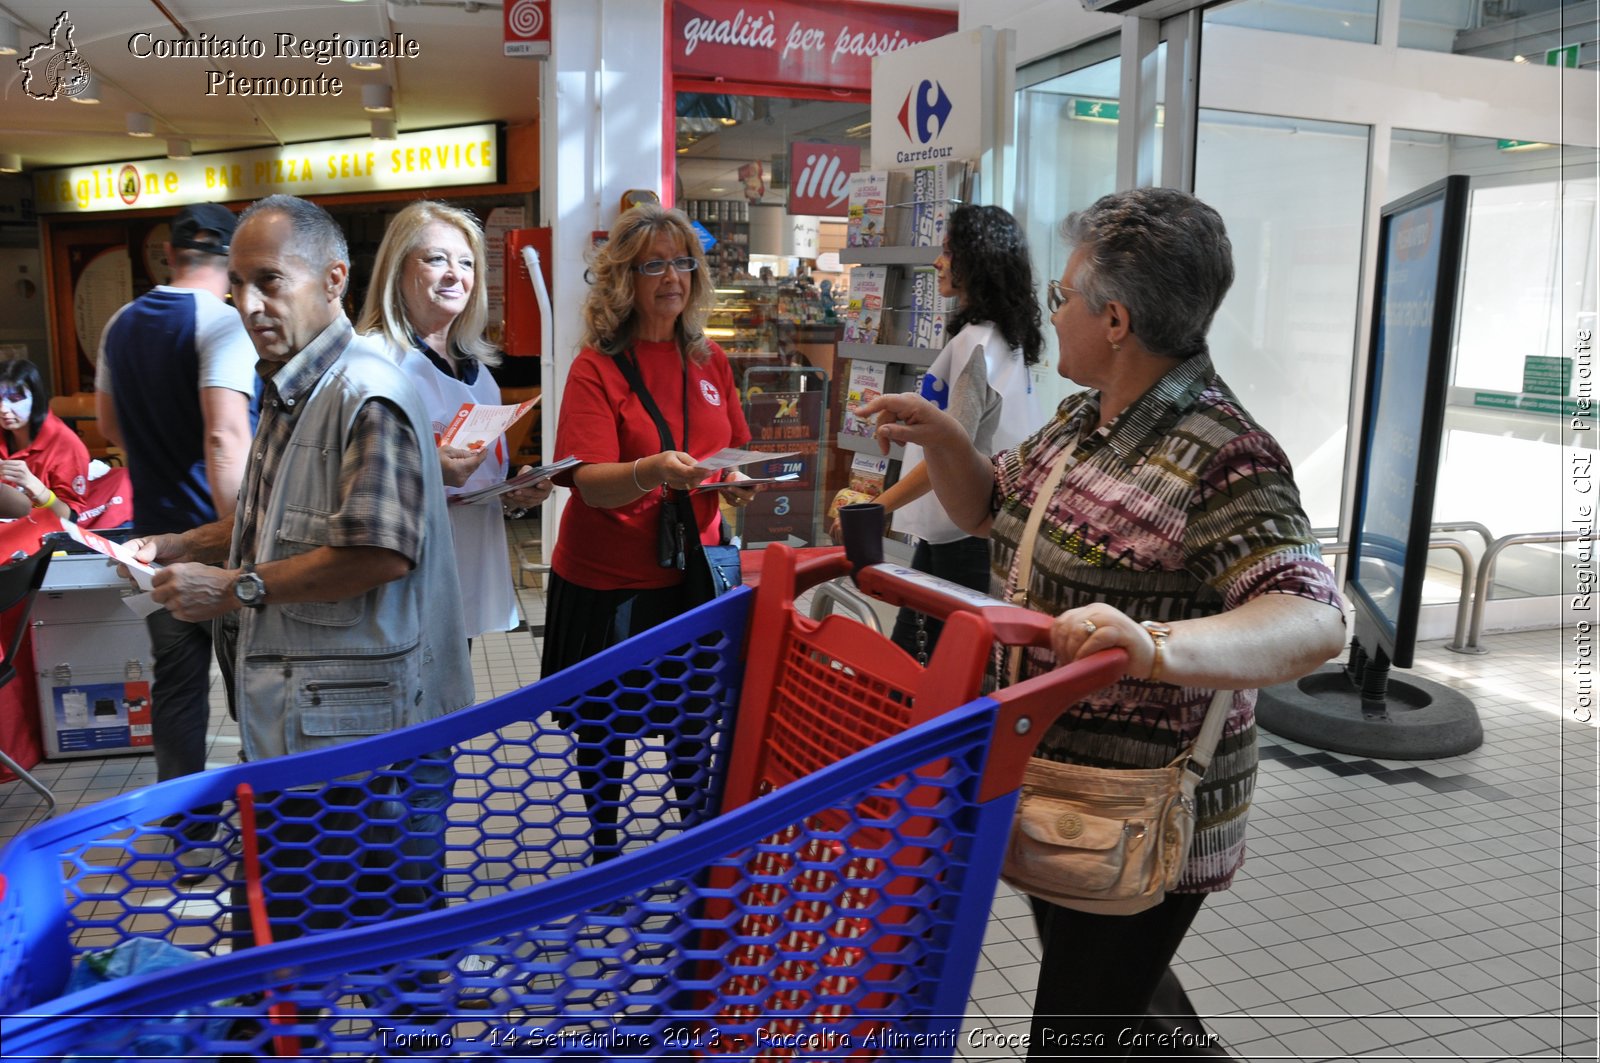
{"x":1089,"y":628}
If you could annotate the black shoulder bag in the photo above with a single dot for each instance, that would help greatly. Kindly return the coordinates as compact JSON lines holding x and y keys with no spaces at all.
{"x":708,"y":571}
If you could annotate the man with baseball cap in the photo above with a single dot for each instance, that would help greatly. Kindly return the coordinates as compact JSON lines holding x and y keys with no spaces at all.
{"x":176,"y":389}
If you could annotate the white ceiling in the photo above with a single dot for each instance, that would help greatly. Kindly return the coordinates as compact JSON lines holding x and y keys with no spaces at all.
{"x":460,"y":75}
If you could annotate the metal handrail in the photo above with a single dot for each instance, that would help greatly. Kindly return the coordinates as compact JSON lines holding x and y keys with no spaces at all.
{"x":1449,"y":526}
{"x":835,"y":593}
{"x":1486,"y":575}
{"x":1468,"y":565}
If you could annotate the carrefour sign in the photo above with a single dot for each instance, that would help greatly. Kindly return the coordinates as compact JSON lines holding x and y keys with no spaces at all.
{"x":439,"y":158}
{"x":928,"y":102}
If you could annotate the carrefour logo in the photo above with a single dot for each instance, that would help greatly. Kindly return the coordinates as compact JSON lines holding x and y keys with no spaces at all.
{"x":925,"y":111}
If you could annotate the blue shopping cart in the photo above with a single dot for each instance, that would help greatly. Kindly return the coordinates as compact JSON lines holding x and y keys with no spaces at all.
{"x":809,"y":832}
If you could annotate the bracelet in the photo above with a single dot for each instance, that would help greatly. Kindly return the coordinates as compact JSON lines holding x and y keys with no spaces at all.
{"x":1158,"y":633}
{"x":49,"y":500}
{"x":643,"y":490}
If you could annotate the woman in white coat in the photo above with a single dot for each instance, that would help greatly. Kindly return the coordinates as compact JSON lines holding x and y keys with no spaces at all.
{"x":424,"y":300}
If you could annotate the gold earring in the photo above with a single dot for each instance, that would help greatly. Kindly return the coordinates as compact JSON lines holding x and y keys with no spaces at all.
{"x":1116,"y":348}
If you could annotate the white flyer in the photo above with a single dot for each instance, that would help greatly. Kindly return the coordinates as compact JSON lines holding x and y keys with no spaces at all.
{"x":476,"y":425}
{"x":733,"y":457}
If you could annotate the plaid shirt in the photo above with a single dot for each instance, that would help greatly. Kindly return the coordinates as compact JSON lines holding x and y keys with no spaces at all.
{"x":380,"y":479}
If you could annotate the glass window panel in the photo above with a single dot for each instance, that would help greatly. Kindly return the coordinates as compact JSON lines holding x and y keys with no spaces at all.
{"x":1516,"y":30}
{"x":1067,"y":128}
{"x":1527,"y":287}
{"x":1344,"y":20}
{"x":1291,"y":193}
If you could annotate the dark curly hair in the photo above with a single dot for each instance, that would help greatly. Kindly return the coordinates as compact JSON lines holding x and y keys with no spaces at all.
{"x":993,"y":272}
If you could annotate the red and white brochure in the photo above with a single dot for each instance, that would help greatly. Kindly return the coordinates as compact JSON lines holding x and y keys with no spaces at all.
{"x":476,"y":426}
{"x":141,"y":572}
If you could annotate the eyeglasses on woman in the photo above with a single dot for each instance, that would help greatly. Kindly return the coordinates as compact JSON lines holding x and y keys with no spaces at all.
{"x":655,"y":267}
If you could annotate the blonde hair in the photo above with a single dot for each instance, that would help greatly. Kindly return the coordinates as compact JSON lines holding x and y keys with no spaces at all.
{"x":610,"y":318}
{"x":385,"y":312}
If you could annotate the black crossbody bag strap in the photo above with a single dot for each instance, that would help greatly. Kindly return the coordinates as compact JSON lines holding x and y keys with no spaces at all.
{"x":677,"y":502}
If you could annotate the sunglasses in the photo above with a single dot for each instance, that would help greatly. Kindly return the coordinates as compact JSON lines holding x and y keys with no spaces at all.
{"x":1056,"y":297}
{"x":655,"y":267}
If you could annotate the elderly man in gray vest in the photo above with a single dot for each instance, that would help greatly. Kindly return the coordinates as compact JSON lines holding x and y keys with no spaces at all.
{"x":340,"y":569}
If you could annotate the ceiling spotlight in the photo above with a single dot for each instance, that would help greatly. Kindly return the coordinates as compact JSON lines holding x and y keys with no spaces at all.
{"x":10,"y":163}
{"x":383,"y":129}
{"x":366,"y":55}
{"x":179,"y":148}
{"x":378,"y":99}
{"x":140,"y":124}
{"x":10,"y":40}
{"x":90,"y":93}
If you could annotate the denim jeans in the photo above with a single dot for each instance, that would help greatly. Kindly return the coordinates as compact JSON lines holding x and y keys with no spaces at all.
{"x":965,"y":561}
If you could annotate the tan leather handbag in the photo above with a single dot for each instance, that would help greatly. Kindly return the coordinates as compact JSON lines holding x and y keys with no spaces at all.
{"x":1103,"y":840}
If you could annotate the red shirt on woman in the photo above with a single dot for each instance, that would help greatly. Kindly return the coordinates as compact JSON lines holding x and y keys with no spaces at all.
{"x":58,"y":458}
{"x":603,"y":421}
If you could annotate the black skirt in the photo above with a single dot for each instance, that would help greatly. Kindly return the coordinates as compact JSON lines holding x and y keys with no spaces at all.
{"x":579,"y":621}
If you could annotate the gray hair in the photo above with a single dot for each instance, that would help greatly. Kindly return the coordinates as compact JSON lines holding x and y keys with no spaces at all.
{"x":1161,"y":253}
{"x":317,"y":237}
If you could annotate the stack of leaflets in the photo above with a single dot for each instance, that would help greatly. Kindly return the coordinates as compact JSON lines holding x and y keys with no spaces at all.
{"x":525,"y":479}
{"x":866,"y":381}
{"x":925,"y":319}
{"x":936,"y":190}
{"x":866,"y":208}
{"x":864,"y":311}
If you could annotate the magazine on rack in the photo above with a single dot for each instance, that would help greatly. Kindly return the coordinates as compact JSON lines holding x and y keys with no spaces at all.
{"x":523,"y":479}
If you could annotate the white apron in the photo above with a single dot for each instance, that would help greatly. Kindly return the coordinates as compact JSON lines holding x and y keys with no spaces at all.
{"x":488,"y":602}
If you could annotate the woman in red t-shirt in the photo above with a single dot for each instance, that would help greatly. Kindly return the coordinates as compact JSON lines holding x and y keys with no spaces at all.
{"x":43,"y":463}
{"x":644,"y":317}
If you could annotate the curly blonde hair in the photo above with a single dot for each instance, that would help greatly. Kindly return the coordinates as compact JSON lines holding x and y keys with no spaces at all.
{"x":610,"y":319}
{"x":385,"y":312}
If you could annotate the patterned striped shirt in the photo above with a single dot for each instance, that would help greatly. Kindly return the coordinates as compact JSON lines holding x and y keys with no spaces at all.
{"x":1182,"y":507}
{"x":380,"y":473}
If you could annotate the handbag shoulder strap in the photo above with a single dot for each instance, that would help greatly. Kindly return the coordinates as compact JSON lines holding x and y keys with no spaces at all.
{"x":1030,"y":532}
{"x":1205,"y":743}
{"x":1030,"y":536}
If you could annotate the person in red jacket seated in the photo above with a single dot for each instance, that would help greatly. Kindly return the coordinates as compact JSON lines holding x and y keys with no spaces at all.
{"x":42,"y":461}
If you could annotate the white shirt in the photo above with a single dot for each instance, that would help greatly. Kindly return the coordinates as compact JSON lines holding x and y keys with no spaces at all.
{"x":986,"y":386}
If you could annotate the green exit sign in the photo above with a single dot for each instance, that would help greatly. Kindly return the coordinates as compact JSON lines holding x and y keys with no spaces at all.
{"x":1566,"y":55}
{"x":1096,"y":110}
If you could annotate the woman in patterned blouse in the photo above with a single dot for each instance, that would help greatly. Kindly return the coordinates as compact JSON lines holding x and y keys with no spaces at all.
{"x":1177,"y":535}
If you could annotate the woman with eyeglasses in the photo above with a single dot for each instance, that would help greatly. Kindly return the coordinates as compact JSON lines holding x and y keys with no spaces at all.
{"x":1174,"y":532}
{"x":643,"y":339}
{"x":43,"y":461}
{"x":424,"y":300}
{"x":981,"y":379}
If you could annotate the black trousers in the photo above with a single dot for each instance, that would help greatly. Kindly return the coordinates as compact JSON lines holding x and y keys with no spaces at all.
{"x":965,"y":561}
{"x":1106,"y":990}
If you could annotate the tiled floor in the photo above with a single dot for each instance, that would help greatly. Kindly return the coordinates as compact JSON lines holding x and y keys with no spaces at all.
{"x":1444,"y":913}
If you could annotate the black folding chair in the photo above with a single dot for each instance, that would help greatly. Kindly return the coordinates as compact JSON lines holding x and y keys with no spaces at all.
{"x":20,"y":579}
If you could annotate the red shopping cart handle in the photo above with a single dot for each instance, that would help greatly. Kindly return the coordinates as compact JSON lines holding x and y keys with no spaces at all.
{"x":1013,"y":625}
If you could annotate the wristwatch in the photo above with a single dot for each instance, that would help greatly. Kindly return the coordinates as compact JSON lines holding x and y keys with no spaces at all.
{"x":248,"y":588}
{"x":1158,"y":635}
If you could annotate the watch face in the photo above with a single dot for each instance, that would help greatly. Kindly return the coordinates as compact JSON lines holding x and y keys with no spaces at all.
{"x":249,"y":589}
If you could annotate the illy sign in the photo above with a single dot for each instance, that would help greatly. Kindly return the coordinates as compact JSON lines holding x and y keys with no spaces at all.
{"x":819,"y":177}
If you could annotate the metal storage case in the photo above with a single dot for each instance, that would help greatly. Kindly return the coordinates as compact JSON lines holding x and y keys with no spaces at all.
{"x":93,"y":656}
